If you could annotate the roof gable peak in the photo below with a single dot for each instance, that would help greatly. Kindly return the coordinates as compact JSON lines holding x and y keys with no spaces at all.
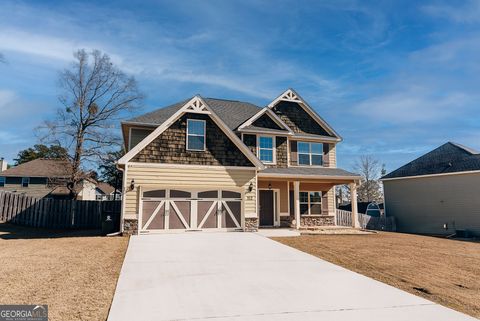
{"x":291,"y":95}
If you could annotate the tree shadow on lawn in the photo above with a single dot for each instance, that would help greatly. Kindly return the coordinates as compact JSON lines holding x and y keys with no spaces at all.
{"x":10,"y":231}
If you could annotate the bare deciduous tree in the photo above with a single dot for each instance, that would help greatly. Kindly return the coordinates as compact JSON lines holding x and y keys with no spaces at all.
{"x":94,"y":94}
{"x":370,"y":169}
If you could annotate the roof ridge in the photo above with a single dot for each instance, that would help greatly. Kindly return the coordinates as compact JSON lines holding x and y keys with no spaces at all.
{"x":465,"y":148}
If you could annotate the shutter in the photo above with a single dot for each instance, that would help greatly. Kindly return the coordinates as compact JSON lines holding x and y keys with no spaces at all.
{"x":326,"y":155}
{"x":293,"y":153}
{"x":324,"y":203}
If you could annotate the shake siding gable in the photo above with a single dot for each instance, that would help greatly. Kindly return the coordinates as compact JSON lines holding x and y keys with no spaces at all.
{"x":266,"y":122}
{"x":296,"y":118}
{"x":170,"y":147}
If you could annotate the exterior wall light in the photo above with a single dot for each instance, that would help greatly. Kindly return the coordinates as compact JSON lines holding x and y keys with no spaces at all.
{"x":269,"y":185}
{"x":250,"y":187}
{"x":132,"y":185}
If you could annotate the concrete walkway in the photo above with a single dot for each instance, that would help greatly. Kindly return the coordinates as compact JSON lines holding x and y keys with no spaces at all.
{"x":246,"y":276}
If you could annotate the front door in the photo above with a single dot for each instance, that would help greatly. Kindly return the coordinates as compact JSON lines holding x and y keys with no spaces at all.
{"x":266,"y":208}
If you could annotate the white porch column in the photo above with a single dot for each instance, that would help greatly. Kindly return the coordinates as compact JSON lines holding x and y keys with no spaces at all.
{"x":353,"y":200}
{"x":296,"y":202}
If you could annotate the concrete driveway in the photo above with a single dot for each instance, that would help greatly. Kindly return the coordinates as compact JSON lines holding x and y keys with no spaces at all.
{"x":246,"y":276}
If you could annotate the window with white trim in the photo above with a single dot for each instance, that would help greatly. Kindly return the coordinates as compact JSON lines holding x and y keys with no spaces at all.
{"x":25,"y":181}
{"x":2,"y":181}
{"x":310,"y":203}
{"x":310,"y":153}
{"x":266,"y":149}
{"x":196,"y":134}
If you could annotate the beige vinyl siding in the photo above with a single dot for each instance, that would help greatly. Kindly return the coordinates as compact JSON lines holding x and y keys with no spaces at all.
{"x":201,"y":178}
{"x":331,"y":201}
{"x":33,"y":190}
{"x":424,"y":205}
{"x":37,"y":188}
{"x":332,"y":156}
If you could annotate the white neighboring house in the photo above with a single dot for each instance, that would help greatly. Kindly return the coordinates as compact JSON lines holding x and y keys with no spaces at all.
{"x":106,"y":192}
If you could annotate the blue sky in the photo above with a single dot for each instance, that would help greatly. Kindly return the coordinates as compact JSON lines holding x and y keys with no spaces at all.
{"x":395,"y":79}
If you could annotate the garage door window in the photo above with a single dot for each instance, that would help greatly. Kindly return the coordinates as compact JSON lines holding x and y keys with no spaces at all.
{"x":229,"y":194}
{"x":157,"y":193}
{"x":179,"y":194}
{"x":208,"y":194}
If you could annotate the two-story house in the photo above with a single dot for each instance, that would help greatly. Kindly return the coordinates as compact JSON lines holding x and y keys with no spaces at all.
{"x":47,"y":178}
{"x":207,"y":163}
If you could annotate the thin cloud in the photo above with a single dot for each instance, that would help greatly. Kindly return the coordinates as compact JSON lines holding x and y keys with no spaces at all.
{"x":469,"y":12}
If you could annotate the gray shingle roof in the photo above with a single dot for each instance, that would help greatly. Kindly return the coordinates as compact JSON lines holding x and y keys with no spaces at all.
{"x":309,"y":171}
{"x":233,"y":113}
{"x":40,"y":167}
{"x":448,"y":158}
{"x":158,"y":116}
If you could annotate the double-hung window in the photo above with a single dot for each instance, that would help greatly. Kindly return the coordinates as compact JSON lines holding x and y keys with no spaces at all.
{"x":2,"y":181}
{"x":25,"y":181}
{"x":310,"y":203}
{"x":195,"y":135}
{"x":310,"y":153}
{"x":266,"y":149}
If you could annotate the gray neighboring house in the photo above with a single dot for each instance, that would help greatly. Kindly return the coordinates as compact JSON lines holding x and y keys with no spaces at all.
{"x":437,"y":193}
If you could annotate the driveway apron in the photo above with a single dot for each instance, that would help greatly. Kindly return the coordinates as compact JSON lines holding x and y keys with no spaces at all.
{"x":246,"y":276}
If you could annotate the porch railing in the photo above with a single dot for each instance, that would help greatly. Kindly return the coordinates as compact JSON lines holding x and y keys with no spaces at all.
{"x":343,"y":218}
{"x":382,"y":223}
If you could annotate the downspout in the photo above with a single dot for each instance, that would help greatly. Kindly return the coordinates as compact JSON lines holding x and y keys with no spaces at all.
{"x":124,"y":184}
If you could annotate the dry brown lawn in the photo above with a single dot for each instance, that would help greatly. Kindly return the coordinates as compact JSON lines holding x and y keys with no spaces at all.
{"x":75,"y":273}
{"x":441,"y":270}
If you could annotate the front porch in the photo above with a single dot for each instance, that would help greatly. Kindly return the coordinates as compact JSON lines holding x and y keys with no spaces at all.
{"x":302,"y":202}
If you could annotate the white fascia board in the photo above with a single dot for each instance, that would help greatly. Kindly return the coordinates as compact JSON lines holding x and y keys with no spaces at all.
{"x":188,"y":166}
{"x":431,"y":175}
{"x":315,"y":139}
{"x":272,"y":115}
{"x":319,"y":177}
{"x":266,"y":132}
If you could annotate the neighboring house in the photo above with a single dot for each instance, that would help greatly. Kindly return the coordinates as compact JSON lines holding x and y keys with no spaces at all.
{"x":437,"y":193}
{"x":207,"y":163}
{"x":106,"y":192}
{"x":44,"y":178}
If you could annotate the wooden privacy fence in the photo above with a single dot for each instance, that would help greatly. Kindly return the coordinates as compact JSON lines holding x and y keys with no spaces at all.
{"x":382,"y":223}
{"x":56,"y":214}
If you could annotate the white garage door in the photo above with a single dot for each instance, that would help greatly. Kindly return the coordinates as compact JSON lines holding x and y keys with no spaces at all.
{"x":172,"y":209}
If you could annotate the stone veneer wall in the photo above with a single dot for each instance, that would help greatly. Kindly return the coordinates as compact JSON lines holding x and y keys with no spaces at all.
{"x":251,"y":224}
{"x":130,"y":226}
{"x":315,"y":221}
{"x":170,"y":147}
{"x":308,"y":222}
